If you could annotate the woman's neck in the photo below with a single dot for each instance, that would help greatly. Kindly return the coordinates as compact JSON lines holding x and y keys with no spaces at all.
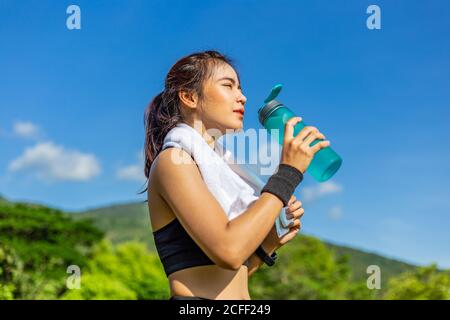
{"x":199,"y":126}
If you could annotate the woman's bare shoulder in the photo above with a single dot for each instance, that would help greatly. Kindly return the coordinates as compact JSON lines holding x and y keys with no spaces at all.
{"x":161,"y":178}
{"x":168,"y":161}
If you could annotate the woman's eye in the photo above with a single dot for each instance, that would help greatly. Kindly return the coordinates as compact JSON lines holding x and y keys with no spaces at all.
{"x":228,"y":85}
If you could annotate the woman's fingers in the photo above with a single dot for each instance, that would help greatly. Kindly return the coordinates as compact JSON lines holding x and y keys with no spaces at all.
{"x":306,"y":131}
{"x":294,"y":210}
{"x":294,"y":228}
{"x":294,"y":205}
{"x":320,"y":145}
{"x":289,"y":128}
{"x":312,"y":137}
{"x":292,"y":200}
{"x":295,"y":214}
{"x":296,"y":223}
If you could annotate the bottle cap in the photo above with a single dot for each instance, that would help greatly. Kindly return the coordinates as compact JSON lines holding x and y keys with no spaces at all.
{"x":270,"y":104}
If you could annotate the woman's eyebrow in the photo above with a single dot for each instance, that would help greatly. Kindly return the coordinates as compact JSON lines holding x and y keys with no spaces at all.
{"x":227,"y":78}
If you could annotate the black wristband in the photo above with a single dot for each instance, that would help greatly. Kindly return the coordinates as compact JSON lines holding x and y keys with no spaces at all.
{"x":283,"y":183}
{"x":269,"y":260}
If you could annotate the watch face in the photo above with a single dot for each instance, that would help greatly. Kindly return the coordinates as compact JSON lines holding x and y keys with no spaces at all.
{"x":270,"y":262}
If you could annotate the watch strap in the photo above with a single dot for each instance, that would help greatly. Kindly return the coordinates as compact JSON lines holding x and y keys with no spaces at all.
{"x":269,"y":260}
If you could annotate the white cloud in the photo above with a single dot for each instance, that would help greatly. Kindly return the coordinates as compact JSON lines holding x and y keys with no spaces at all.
{"x":131,"y":173}
{"x":26,"y":129}
{"x":54,"y":163}
{"x":134,"y":172}
{"x":310,"y":194}
{"x":335,"y":213}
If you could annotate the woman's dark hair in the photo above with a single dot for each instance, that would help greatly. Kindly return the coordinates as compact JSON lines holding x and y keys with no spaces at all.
{"x":164,"y":112}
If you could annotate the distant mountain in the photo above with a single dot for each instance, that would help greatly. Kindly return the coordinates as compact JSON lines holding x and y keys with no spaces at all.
{"x":122,"y":222}
{"x":131,"y":222}
{"x":359,"y":261}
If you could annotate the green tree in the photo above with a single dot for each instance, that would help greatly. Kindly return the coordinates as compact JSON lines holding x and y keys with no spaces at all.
{"x":423,"y":283}
{"x":127,"y":271}
{"x":10,"y":267}
{"x":307,"y":269}
{"x":46,"y":242}
{"x":100,"y":286}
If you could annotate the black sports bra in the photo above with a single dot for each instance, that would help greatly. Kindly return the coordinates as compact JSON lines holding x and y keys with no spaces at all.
{"x":176,"y":248}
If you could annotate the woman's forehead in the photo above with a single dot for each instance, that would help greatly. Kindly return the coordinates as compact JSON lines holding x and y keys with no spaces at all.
{"x":224,"y":71}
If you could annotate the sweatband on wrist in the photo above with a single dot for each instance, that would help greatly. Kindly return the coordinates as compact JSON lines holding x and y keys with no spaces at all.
{"x":283,"y":183}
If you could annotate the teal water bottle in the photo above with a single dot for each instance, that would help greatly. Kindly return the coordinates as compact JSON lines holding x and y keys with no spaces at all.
{"x":274,"y":115}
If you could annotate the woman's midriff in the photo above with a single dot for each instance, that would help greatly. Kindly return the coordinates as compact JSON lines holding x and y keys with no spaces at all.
{"x":210,"y":282}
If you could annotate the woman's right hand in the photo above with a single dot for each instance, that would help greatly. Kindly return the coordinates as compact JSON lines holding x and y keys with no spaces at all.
{"x":296,"y":150}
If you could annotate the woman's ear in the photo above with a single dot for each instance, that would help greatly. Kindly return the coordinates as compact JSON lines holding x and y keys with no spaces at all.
{"x":188,"y":98}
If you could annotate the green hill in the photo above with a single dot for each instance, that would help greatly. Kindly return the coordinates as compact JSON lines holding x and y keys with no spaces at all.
{"x":2,"y":199}
{"x":359,"y":260}
{"x":38,"y":243}
{"x":122,"y":222}
{"x":131,"y":222}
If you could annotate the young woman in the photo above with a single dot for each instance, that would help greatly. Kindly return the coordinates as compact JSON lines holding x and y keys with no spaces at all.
{"x":206,"y":256}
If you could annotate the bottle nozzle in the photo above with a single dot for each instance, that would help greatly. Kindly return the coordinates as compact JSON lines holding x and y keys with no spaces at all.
{"x":274,"y":93}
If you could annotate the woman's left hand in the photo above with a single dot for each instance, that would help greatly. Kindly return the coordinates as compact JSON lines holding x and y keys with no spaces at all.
{"x":294,"y":210}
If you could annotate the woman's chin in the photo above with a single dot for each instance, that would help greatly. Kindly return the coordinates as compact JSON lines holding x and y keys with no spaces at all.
{"x":237,"y":125}
{"x":232,"y":126}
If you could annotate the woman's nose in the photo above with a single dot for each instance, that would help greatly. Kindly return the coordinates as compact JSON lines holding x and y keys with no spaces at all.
{"x":242,"y":98}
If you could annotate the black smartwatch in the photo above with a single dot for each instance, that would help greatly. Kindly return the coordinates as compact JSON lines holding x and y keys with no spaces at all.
{"x":269,"y":260}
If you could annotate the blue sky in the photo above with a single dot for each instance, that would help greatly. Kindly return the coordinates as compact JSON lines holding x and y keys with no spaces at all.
{"x":72,"y":103}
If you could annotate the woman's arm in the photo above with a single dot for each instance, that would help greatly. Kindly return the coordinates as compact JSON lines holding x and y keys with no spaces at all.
{"x":227,"y":243}
{"x":254,"y":262}
{"x":272,"y":242}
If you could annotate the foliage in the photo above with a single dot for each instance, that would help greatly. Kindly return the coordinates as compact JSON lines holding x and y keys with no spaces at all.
{"x":424,"y":283}
{"x":10,"y":266}
{"x":45,"y":241}
{"x":128,"y":271}
{"x":100,"y":286}
{"x":307,"y":269}
{"x":37,"y":244}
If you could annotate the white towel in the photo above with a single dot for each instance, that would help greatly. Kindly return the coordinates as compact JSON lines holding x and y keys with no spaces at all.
{"x":229,"y":189}
{"x":251,"y":174}
{"x":235,"y":186}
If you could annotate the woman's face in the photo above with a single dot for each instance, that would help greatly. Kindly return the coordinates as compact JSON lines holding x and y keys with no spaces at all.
{"x":223,"y":102}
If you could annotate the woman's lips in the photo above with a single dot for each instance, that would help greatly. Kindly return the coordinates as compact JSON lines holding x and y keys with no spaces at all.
{"x":239,"y":112}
